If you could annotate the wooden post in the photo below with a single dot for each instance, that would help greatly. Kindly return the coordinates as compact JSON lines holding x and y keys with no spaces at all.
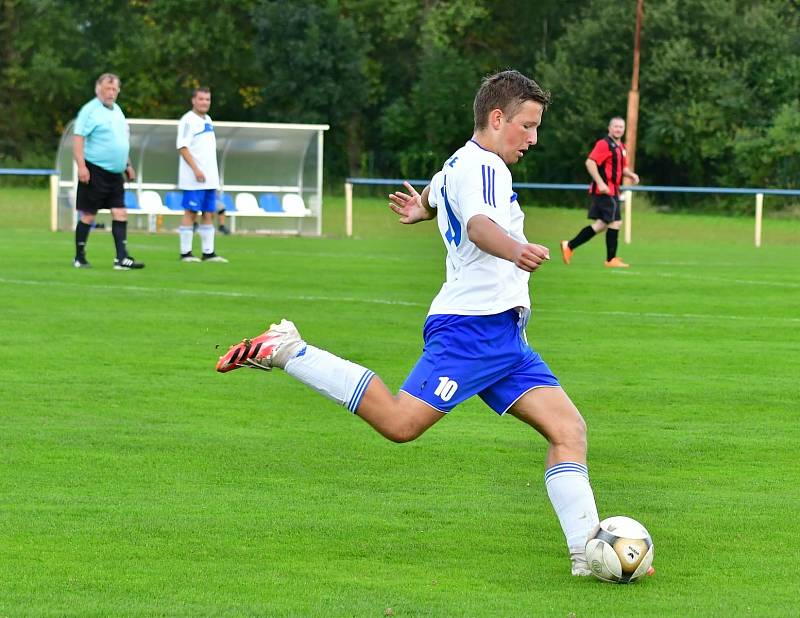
{"x":759,"y":212}
{"x":348,"y":209}
{"x":632,"y":121}
{"x":628,"y":195}
{"x":53,"y":202}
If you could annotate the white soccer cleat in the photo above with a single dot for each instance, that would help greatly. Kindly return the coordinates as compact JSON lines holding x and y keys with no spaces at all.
{"x":580,"y":567}
{"x":273,"y":348}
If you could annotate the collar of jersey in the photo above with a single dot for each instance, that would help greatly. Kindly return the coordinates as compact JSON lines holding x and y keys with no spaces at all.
{"x":478,"y":145}
{"x":484,"y":149}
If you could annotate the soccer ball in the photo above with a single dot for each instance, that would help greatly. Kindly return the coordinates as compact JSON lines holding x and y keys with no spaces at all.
{"x":619,"y":550}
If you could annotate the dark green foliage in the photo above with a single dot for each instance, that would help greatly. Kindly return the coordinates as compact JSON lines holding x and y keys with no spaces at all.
{"x":313,"y":64}
{"x":718,"y":90}
{"x":395,"y":80}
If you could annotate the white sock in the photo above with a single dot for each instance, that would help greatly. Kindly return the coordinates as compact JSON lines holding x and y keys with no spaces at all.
{"x":336,"y":378}
{"x":186,"y":235}
{"x":206,"y":238}
{"x":572,"y":498}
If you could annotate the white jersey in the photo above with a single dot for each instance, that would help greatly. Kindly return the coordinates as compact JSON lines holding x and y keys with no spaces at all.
{"x":473,"y":182}
{"x":197,"y":134}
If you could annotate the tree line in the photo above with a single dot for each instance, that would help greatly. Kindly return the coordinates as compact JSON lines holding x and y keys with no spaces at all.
{"x":395,"y":78}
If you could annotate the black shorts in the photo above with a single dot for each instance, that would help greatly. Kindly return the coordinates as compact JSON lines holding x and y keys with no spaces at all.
{"x":605,"y":207}
{"x":105,"y":190}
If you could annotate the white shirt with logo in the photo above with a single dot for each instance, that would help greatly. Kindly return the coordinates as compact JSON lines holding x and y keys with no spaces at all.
{"x":475,"y":181}
{"x":197,"y":134}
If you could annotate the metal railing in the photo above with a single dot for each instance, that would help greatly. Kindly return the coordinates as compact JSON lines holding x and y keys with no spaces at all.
{"x":628,"y":191}
{"x":53,"y":174}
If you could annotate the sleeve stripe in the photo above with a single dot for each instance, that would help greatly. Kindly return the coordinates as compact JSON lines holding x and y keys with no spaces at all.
{"x":488,"y":177}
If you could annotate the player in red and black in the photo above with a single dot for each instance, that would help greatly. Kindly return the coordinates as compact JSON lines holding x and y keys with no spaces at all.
{"x":608,"y":166}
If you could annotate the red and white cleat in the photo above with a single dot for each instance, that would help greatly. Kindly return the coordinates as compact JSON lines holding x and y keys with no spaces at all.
{"x":272,"y":348}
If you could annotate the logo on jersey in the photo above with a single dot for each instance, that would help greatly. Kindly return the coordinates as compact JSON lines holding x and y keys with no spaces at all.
{"x":453,"y":232}
{"x":207,"y":128}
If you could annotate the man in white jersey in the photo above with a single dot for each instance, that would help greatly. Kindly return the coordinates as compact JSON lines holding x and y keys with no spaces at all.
{"x":475,"y":331}
{"x":198,"y":177}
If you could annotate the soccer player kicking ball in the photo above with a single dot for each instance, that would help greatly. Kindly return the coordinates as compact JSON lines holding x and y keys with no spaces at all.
{"x":474,"y":335}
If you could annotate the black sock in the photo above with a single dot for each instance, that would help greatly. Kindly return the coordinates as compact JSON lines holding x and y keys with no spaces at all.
{"x":612,"y":237}
{"x":585,"y":235}
{"x":81,"y":238}
{"x":119,"y":229}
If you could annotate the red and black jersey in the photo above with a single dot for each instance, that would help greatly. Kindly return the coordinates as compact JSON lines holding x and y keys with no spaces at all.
{"x":611,"y":159}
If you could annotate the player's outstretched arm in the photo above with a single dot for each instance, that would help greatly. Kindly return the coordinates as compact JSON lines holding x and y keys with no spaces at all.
{"x":412,"y":207}
{"x":491,"y":238}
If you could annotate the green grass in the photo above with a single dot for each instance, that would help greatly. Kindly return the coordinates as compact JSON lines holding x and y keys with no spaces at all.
{"x":135,"y":481}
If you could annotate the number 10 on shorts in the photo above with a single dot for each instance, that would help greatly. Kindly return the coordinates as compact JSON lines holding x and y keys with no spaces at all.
{"x":446,"y":389}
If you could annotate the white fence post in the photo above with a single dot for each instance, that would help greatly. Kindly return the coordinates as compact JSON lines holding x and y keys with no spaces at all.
{"x":628,"y":195}
{"x":759,"y":213}
{"x":348,"y":209}
{"x":53,"y":202}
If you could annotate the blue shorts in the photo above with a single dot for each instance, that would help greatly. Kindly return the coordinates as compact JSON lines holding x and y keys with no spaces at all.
{"x":484,"y":355}
{"x":200,"y":200}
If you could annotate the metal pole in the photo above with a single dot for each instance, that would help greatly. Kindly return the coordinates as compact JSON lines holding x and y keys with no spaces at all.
{"x":73,"y":192}
{"x":320,"y":151}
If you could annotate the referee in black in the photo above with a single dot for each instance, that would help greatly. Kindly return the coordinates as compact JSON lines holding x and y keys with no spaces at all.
{"x":101,"y":147}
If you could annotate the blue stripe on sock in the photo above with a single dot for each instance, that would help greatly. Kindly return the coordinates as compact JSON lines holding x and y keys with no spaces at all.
{"x":566,"y":466}
{"x":355,"y":391}
{"x":553,"y":473}
{"x":360,"y":390}
{"x":367,"y":379}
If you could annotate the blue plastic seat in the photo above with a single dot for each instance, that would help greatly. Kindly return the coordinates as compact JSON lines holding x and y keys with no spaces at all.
{"x":270,"y":202}
{"x":225,"y":201}
{"x":131,"y":203}
{"x":174,"y":200}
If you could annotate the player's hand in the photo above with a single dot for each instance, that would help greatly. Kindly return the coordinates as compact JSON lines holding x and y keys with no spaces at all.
{"x":634,"y":178}
{"x":201,"y":177}
{"x":530,"y":256}
{"x":603,"y":188}
{"x":130,"y":173}
{"x":408,"y":205}
{"x":83,"y":174}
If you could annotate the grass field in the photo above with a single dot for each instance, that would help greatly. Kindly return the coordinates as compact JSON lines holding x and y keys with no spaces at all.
{"x":135,"y":481}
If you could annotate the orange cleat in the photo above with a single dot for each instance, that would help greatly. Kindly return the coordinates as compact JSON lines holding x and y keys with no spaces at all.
{"x":615,"y":262}
{"x":566,"y":252}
